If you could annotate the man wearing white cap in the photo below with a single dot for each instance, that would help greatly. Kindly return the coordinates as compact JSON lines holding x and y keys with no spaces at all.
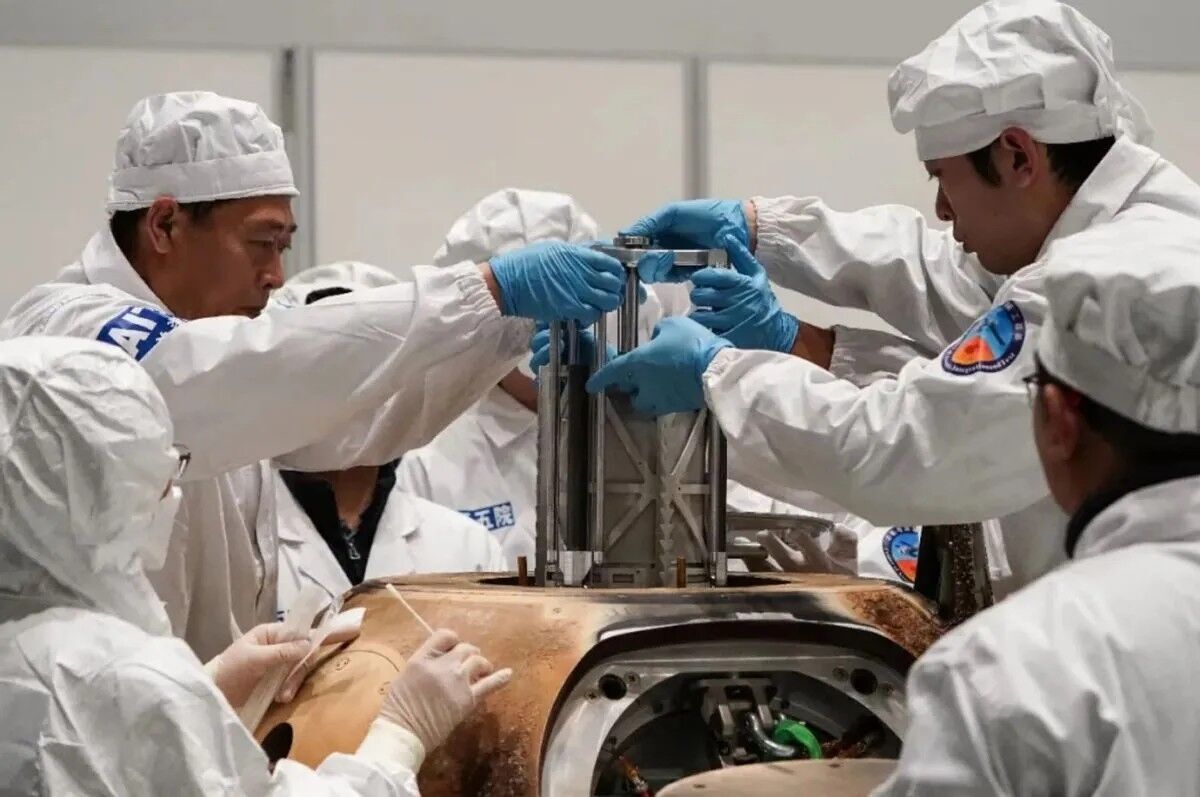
{"x":1038,"y":152}
{"x":485,"y":463}
{"x":200,"y":215}
{"x":1084,"y":682}
{"x":339,"y":528}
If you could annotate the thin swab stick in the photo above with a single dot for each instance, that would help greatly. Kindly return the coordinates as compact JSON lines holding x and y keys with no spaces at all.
{"x":396,"y":594}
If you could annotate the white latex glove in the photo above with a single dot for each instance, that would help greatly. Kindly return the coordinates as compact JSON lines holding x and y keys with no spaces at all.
{"x":340,"y":628}
{"x":238,"y":669}
{"x":439,"y":686}
{"x":809,"y":557}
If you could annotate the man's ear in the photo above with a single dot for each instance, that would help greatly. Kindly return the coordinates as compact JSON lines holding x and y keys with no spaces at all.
{"x":1019,"y":158}
{"x":1061,"y":423}
{"x":162,"y":220}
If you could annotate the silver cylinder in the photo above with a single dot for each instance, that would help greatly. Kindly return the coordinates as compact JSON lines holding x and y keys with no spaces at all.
{"x":627,"y":314}
{"x":549,"y":394}
{"x":599,"y":408}
{"x":715,"y":504}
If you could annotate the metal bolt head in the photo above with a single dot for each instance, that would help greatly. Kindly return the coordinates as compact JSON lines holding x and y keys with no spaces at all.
{"x":631,"y":678}
{"x":592,"y":694}
{"x":887,"y":690}
{"x":840,"y":674}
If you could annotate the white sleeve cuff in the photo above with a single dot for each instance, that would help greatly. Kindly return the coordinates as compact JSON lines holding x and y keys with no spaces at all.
{"x":389,"y":745}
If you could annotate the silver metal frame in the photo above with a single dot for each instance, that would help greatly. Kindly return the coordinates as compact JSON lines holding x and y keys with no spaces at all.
{"x":677,"y":463}
{"x":587,"y":718}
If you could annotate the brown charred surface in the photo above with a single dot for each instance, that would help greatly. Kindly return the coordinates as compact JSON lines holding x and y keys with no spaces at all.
{"x":543,"y":634}
{"x":901,"y":614}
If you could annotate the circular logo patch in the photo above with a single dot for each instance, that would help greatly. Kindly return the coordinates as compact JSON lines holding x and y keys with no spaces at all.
{"x":991,"y":344}
{"x":900,"y":549}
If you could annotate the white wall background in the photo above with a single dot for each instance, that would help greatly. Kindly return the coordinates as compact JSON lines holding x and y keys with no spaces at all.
{"x":403,"y":141}
{"x":811,"y":131}
{"x":400,"y":156}
{"x":63,"y":108}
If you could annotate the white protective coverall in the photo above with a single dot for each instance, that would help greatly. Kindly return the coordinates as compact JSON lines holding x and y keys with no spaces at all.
{"x":355,"y":380}
{"x":99,"y":698}
{"x":946,"y":440}
{"x":860,"y":357}
{"x":1082,"y":683}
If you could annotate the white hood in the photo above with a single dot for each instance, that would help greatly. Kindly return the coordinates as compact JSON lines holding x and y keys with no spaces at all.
{"x":85,"y":455}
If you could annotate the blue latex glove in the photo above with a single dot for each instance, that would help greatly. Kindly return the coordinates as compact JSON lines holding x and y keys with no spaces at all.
{"x":540,"y":346}
{"x":664,"y":375}
{"x":739,"y":305}
{"x":693,"y":224}
{"x":552,"y":281}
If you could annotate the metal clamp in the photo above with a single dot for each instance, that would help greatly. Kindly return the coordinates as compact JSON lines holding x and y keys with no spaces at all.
{"x":684,"y":258}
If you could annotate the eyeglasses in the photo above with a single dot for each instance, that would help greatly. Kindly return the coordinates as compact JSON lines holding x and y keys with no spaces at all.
{"x":184,"y":456}
{"x":1032,"y":383}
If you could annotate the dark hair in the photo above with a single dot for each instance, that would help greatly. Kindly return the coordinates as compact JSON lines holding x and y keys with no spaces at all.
{"x":124,"y":223}
{"x":1136,"y":445}
{"x":1073,"y":163}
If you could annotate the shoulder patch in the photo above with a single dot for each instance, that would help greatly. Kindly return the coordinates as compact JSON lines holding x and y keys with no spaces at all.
{"x":900,"y":546}
{"x":137,"y":330}
{"x":991,"y":344}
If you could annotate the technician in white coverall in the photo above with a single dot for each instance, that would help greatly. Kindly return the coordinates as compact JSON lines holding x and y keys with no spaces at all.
{"x":1037,"y":152}
{"x":99,"y":698}
{"x":484,"y":464}
{"x":1083,"y":683}
{"x":200,"y":215}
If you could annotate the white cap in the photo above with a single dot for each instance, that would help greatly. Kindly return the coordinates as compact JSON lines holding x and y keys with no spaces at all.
{"x":197,"y":146}
{"x":347,"y":274}
{"x":85,"y":454}
{"x":513,"y":218}
{"x":1126,"y":335}
{"x":1034,"y":64}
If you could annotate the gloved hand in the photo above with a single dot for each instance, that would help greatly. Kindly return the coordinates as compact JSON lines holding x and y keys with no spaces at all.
{"x":439,"y":686}
{"x":739,"y":305}
{"x":335,"y":630}
{"x":809,"y":557}
{"x":693,"y":224}
{"x":238,"y":669}
{"x":552,"y":281}
{"x":540,"y":346}
{"x":664,"y":375}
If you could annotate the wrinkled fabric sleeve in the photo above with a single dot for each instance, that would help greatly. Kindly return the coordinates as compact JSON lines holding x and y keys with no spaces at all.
{"x":925,"y":447}
{"x":353,"y":371}
{"x":884,"y":259}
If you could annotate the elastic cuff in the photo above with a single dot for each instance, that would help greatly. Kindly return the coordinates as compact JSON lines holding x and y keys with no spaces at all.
{"x":389,"y":744}
{"x":474,"y":289}
{"x":720,"y":361}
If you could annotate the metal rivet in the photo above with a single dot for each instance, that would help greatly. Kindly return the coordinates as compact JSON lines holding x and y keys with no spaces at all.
{"x":840,"y":674}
